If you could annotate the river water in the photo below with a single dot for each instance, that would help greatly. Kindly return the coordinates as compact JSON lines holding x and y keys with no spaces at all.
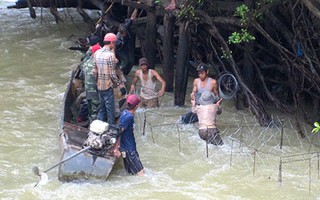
{"x":35,"y":65}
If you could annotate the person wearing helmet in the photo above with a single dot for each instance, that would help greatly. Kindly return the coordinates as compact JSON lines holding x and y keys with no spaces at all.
{"x":105,"y":62}
{"x":123,"y":47}
{"x":128,"y":147}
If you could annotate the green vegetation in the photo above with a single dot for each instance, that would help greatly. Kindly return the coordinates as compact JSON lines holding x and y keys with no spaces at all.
{"x":188,"y":9}
{"x":243,"y":36}
{"x":242,"y":12}
{"x":317,"y":127}
{"x":158,"y":2}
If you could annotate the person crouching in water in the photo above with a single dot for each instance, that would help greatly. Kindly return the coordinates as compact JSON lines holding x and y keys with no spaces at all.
{"x":128,"y":146}
{"x":148,"y":77}
{"x":207,"y":108}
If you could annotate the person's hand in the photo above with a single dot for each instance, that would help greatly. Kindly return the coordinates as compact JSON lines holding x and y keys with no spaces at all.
{"x":171,"y":6}
{"x":121,"y":85}
{"x":192,"y":96}
{"x":219,"y":102}
{"x":160,"y":93}
{"x":193,"y":102}
{"x":117,"y":153}
{"x":131,"y":89}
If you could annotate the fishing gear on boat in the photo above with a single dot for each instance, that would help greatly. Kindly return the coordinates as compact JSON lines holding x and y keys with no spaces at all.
{"x":102,"y":137}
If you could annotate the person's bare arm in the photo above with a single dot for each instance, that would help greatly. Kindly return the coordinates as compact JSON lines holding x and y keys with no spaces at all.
{"x":113,"y":74}
{"x":194,"y":88}
{"x":160,"y":79}
{"x":116,"y":150}
{"x":172,"y":5}
{"x":193,"y":105}
{"x":219,"y":106}
{"x":134,"y":14}
{"x":134,"y":82}
{"x":214,"y":87}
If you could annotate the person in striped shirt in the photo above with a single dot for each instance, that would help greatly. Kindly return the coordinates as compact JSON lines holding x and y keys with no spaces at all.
{"x":105,"y":72}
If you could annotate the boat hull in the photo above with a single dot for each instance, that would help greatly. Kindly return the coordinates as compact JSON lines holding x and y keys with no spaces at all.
{"x":84,"y":167}
{"x":87,"y":165}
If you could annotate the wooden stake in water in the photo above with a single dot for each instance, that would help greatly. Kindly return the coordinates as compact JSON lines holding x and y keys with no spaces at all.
{"x":241,"y":136}
{"x":179,"y":135}
{"x":152,"y":134}
{"x":309,"y":173}
{"x":207,"y":150}
{"x":144,"y":123}
{"x":318,"y":164}
{"x":231,"y":150}
{"x":280,"y":171}
{"x":254,"y":161}
{"x":281,"y":139}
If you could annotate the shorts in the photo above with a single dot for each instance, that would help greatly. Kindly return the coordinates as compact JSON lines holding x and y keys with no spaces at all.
{"x":149,"y":103}
{"x":211,"y":135}
{"x":132,"y":162}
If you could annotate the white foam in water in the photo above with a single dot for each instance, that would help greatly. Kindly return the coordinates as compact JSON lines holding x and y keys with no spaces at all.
{"x":30,"y":107}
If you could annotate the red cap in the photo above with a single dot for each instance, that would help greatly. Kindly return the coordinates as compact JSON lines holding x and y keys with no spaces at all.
{"x":95,"y":48}
{"x":110,"y":37}
{"x":133,"y":99}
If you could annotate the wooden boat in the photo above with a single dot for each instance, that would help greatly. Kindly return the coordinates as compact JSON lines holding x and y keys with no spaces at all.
{"x":90,"y":165}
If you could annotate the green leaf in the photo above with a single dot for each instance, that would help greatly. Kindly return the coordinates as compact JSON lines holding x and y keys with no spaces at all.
{"x":317,"y":127}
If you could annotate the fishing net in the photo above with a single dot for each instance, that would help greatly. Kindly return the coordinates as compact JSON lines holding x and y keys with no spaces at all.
{"x":277,"y":151}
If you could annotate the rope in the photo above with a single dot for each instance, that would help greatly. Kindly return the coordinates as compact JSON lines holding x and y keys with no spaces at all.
{"x":105,"y":13}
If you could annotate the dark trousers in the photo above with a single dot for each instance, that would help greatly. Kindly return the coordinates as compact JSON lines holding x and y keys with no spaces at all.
{"x":211,"y":135}
{"x":106,"y":106}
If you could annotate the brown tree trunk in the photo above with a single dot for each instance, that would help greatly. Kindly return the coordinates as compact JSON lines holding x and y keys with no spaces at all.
{"x":150,"y":37}
{"x":248,"y":72}
{"x":168,"y":54}
{"x":181,"y":69}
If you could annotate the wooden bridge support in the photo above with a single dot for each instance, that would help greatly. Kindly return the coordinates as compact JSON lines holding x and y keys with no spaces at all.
{"x":150,"y":45}
{"x":168,"y":50}
{"x":181,"y":78}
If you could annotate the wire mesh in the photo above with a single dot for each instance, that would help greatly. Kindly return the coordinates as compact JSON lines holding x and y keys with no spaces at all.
{"x":276,"y":151}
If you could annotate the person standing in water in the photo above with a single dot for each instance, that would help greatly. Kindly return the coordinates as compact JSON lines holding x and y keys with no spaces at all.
{"x":204,"y":82}
{"x":207,"y":108}
{"x":148,"y":77}
{"x":128,"y":147}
